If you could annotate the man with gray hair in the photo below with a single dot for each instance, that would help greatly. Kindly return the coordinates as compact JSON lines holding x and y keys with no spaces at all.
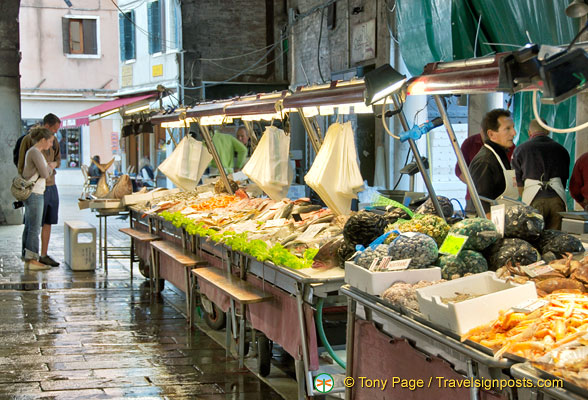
{"x":542,"y":168}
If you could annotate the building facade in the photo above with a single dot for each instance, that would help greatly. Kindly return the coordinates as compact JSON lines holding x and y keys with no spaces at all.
{"x":69,"y":64}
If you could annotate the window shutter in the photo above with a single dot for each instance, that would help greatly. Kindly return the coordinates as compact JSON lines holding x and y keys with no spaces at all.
{"x":130,"y":36}
{"x":65,"y":34}
{"x":154,"y":20}
{"x":121,"y":37}
{"x":90,"y":36}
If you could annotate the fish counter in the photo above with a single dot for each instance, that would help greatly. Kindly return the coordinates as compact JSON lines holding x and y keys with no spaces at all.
{"x":294,"y":292}
{"x":444,"y":289}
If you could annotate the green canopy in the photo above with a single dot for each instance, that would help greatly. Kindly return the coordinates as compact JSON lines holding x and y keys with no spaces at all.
{"x":438,"y":30}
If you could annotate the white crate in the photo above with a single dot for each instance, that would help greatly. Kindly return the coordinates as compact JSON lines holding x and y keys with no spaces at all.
{"x":79,"y":255}
{"x":136,"y":198}
{"x":460,"y":317}
{"x":376,"y":282}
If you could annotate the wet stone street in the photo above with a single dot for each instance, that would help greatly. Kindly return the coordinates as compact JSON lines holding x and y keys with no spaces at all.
{"x":91,"y":335}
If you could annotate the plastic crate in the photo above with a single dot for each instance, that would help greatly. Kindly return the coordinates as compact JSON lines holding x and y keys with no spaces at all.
{"x":494,"y":295}
{"x":376,"y":282}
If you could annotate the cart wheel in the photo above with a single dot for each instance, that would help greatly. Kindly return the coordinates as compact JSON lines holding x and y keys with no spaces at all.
{"x":264,"y":355}
{"x":216,"y":319}
{"x":144,"y":268}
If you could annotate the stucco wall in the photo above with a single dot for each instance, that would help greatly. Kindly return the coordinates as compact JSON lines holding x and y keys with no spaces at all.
{"x":42,"y":46}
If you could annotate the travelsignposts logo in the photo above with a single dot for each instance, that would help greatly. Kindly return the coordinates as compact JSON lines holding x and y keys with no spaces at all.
{"x":323,"y":383}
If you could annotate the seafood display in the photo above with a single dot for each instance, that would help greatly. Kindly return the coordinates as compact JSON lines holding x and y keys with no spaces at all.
{"x":289,"y":233}
{"x":560,"y":274}
{"x":569,"y":361}
{"x":562,"y":319}
{"x":404,"y":294}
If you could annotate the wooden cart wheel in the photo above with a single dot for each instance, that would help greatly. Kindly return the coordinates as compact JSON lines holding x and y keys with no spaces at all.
{"x":216,"y":319}
{"x":144,"y":268}
{"x":264,"y":354}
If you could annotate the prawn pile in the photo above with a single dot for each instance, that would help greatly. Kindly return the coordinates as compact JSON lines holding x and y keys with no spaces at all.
{"x":563,"y":319}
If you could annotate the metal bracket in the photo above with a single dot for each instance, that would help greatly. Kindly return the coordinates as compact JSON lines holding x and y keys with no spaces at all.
{"x":215,"y":156}
{"x":312,"y":130}
{"x":419,"y":161}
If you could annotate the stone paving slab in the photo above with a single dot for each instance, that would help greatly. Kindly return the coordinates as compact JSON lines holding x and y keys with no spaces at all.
{"x":97,"y":335}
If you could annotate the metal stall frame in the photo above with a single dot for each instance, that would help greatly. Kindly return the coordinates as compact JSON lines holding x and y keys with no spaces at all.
{"x":374,"y":304}
{"x":347,"y":93}
{"x":305,"y":287}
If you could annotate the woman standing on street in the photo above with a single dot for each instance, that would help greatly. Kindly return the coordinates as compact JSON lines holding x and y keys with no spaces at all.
{"x":35,"y":169}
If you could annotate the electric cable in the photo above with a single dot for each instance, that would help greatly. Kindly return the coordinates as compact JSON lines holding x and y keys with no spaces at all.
{"x":384,"y":124}
{"x":401,"y":175}
{"x":318,"y":49}
{"x":143,"y":31}
{"x":236,"y":75}
{"x":550,"y":128}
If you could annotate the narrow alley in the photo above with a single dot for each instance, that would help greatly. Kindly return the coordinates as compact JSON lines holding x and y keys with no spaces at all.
{"x":88,"y":335}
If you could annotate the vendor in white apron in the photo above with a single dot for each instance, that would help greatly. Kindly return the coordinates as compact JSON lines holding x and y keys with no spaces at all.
{"x":542,"y":169}
{"x":511,"y":190}
{"x":490,"y":168}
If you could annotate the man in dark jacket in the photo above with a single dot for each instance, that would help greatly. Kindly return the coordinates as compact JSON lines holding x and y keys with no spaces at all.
{"x":542,"y":168}
{"x":490,"y":168}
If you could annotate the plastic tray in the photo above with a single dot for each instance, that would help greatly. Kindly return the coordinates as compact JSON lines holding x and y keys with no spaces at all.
{"x":495,"y":295}
{"x":376,"y":282}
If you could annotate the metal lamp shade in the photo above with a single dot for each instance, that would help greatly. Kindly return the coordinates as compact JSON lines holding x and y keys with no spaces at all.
{"x":577,"y":9}
{"x":382,"y":82}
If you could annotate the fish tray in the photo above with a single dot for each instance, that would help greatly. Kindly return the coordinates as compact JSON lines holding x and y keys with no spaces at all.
{"x":375,"y":283}
{"x":493,"y":294}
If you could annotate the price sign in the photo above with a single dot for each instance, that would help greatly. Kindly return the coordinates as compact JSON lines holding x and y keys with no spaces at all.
{"x":497,"y":214}
{"x":528,"y":306}
{"x":398,"y":265}
{"x":272,"y":223}
{"x":538,"y":268}
{"x":453,"y":244}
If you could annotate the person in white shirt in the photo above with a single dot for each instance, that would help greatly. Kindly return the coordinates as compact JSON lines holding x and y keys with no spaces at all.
{"x":38,"y":170}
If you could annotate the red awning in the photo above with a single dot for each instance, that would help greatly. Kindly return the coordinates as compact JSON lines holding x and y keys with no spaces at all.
{"x":83,"y":117}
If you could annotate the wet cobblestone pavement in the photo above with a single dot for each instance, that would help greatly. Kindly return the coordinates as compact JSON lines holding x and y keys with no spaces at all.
{"x":91,"y":335}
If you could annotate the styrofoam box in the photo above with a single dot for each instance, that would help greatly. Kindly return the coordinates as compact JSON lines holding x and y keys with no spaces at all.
{"x":136,"y":198}
{"x":376,"y":282}
{"x":460,"y":317}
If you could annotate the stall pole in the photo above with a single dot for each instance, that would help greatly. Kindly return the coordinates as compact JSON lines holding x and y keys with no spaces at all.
{"x":254,"y":140}
{"x":170,"y":132}
{"x":212,"y":150}
{"x":460,"y":160}
{"x":351,"y":306}
{"x":302,"y":326}
{"x":418,"y":160}
{"x":313,"y":134}
{"x":474,"y":391}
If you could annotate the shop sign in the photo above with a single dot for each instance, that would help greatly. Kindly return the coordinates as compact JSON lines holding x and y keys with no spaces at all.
{"x":114,"y":141}
{"x":157,"y":70}
{"x":363,"y":41}
{"x":126,"y":75}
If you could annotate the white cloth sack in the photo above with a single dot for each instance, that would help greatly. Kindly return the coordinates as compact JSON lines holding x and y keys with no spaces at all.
{"x":335,"y":174}
{"x":269,"y":165}
{"x":187,"y":163}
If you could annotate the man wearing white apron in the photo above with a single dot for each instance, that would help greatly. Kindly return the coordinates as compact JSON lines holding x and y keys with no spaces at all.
{"x":542,"y":168}
{"x":490,"y":168}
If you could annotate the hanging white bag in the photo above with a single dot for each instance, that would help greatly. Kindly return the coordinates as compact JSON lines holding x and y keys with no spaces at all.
{"x":183,"y":166}
{"x":269,"y":165}
{"x":335,"y":174}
